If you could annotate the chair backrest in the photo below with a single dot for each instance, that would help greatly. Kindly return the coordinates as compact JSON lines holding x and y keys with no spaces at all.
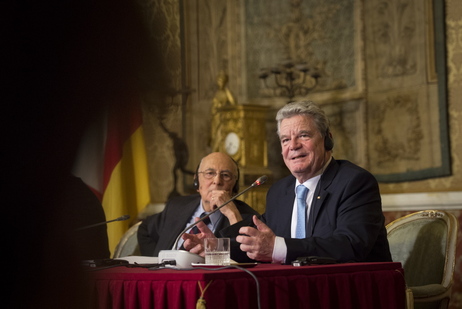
{"x":425,"y":244}
{"x":128,"y":244}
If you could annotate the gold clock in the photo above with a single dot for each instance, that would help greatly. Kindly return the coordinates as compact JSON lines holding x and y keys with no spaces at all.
{"x":242,"y":135}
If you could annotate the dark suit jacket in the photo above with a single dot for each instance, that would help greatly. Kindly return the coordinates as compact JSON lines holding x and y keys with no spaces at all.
{"x":346,"y":220}
{"x":159,"y":231}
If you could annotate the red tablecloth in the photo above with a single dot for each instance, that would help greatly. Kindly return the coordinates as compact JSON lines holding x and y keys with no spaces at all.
{"x":354,"y":285}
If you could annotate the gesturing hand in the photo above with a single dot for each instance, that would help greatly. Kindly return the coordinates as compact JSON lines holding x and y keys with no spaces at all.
{"x":257,"y":242}
{"x":194,"y":243}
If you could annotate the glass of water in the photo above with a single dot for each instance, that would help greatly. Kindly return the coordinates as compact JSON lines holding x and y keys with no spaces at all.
{"x":217,"y":251}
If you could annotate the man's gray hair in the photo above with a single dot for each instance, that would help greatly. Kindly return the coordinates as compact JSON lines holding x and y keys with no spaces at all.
{"x":306,"y":108}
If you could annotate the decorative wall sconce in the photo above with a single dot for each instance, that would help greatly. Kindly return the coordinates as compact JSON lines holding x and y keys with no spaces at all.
{"x":290,"y":79}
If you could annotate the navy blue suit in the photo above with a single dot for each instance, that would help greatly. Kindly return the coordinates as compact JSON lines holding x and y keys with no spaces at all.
{"x":346,"y":220}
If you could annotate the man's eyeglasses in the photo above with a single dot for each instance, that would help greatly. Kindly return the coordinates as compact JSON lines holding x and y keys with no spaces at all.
{"x":226,"y":176}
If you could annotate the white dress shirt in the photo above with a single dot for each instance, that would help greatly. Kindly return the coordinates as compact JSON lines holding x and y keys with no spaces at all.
{"x":280,"y":248}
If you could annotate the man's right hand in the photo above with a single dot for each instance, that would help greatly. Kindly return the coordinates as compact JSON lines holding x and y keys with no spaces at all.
{"x":257,"y":242}
{"x":194,"y":243}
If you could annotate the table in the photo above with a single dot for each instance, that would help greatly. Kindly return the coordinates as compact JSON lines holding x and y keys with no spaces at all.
{"x":351,"y":285}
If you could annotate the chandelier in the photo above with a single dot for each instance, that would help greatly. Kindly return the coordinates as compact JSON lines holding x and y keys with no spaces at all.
{"x":290,"y":79}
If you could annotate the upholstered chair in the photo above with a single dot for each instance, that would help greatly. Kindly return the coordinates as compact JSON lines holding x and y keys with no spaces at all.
{"x":128,"y":244}
{"x":425,"y":244}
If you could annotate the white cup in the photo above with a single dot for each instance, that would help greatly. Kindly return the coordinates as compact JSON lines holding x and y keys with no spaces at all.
{"x":217,"y":251}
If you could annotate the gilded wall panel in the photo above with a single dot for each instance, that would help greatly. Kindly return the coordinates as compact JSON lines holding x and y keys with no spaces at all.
{"x":454,"y":45}
{"x":406,"y":102}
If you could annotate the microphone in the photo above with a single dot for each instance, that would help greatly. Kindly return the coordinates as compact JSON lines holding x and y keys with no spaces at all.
{"x":185,"y":257}
{"x":123,"y":218}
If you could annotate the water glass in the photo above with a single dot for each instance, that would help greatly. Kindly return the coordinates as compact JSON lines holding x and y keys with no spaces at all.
{"x":217,"y":251}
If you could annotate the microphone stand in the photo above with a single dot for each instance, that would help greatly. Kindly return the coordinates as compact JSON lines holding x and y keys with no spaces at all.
{"x":123,"y":218}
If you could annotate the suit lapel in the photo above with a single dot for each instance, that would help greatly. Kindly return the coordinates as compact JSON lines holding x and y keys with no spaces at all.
{"x":284,"y":215}
{"x":321,"y":195}
{"x":184,"y":213}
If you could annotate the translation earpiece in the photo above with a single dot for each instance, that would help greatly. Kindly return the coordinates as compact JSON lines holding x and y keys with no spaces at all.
{"x":328,"y":141}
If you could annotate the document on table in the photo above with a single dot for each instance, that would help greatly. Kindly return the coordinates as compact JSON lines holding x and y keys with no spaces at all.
{"x":132,"y":259}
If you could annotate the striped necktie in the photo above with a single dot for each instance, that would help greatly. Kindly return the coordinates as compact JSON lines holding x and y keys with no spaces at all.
{"x":300,"y":230}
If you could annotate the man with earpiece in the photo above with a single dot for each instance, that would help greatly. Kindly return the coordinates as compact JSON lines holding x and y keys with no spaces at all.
{"x":216,"y":180}
{"x":326,"y":208}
